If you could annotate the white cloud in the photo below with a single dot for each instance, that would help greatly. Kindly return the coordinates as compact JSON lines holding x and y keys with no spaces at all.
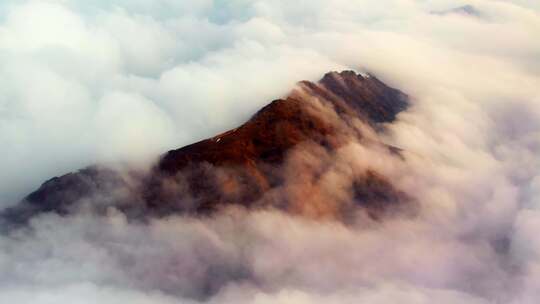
{"x":111,"y":80}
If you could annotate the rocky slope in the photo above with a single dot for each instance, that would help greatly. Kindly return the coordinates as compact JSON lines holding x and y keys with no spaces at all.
{"x":262,"y":163}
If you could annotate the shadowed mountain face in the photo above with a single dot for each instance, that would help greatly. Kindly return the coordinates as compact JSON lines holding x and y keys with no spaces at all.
{"x":279,"y":158}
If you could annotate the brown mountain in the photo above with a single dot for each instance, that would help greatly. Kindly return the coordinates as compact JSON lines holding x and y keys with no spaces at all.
{"x":276,"y":159}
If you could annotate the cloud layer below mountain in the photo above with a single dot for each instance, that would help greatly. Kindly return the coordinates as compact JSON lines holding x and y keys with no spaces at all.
{"x":126,"y":80}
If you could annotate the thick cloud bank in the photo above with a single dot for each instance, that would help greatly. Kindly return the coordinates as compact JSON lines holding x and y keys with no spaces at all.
{"x":125,"y":80}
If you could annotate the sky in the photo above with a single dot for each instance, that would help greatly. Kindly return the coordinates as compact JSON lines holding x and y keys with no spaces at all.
{"x":124,"y":81}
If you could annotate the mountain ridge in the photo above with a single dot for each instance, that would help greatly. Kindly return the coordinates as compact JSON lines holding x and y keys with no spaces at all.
{"x":241,"y":166}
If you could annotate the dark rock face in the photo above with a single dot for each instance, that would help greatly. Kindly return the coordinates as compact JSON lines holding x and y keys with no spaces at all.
{"x":249,"y":165}
{"x":363,"y":96}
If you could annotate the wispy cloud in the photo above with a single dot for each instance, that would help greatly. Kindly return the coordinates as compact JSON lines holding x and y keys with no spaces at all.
{"x":126,"y":80}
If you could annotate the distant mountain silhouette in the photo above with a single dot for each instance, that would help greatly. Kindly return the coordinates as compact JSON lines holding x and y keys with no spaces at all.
{"x":467,"y":10}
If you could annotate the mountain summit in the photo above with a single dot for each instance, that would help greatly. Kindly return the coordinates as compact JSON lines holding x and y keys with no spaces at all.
{"x":280,"y":158}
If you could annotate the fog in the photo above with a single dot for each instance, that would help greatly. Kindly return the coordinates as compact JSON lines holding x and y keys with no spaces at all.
{"x":123,"y":81}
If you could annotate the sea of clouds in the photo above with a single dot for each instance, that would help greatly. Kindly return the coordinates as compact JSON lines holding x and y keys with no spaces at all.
{"x":107,"y":81}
